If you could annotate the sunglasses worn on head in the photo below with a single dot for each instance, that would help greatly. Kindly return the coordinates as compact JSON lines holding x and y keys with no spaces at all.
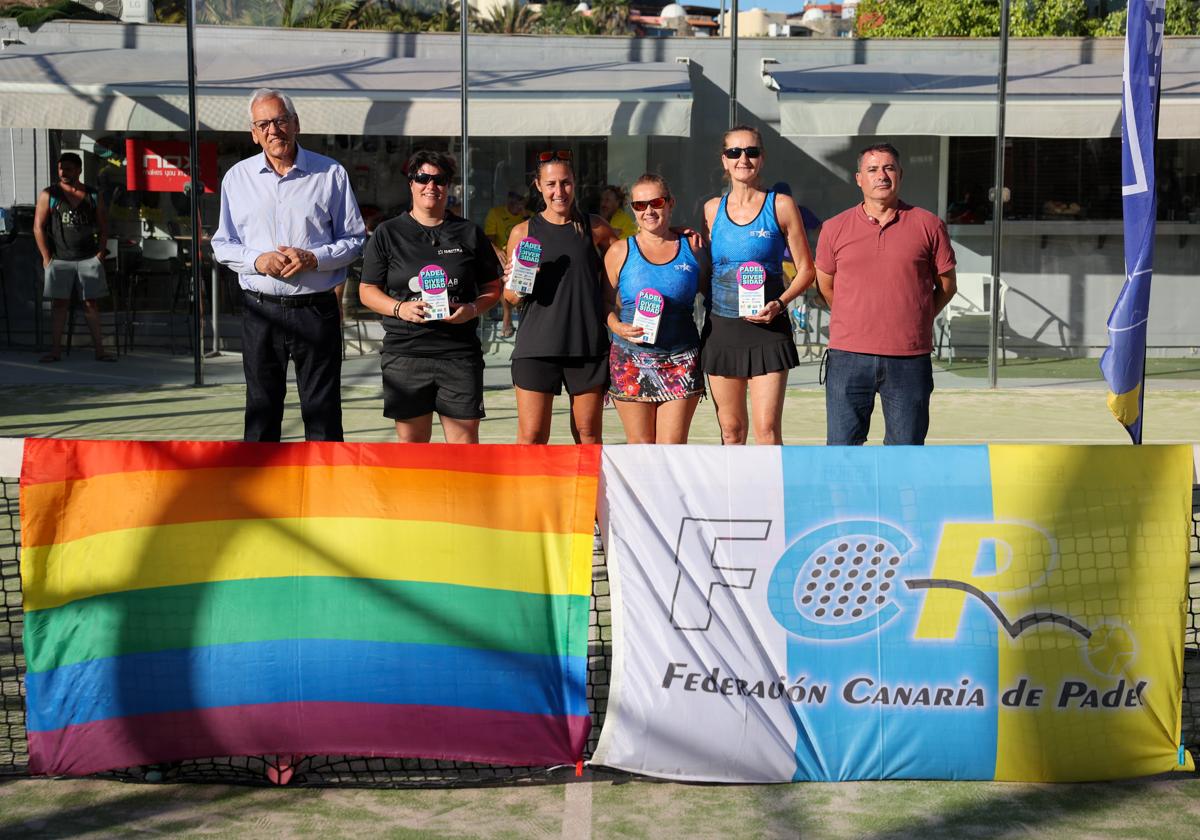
{"x":280,"y":123}
{"x":657,"y":203}
{"x":735,"y":152}
{"x":423,"y":178}
{"x":560,"y":154}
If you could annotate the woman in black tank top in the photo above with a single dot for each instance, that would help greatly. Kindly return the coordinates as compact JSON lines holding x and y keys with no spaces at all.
{"x":563,"y":338}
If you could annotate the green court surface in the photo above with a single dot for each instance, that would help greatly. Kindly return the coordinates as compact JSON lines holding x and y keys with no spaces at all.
{"x":603,"y":807}
{"x":1057,"y":414}
{"x":1157,"y":370}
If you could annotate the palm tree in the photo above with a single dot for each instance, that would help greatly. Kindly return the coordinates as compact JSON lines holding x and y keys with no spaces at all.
{"x":318,"y":14}
{"x":611,"y":16}
{"x":513,"y":18}
{"x":555,"y":18}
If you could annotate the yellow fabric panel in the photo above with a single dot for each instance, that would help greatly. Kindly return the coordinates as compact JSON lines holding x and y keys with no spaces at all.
{"x":1117,"y":521}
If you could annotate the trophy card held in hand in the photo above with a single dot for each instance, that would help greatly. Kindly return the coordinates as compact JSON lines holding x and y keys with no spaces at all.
{"x":751,"y":280}
{"x":434,"y":293}
{"x":647,"y":314}
{"x":527,"y":257}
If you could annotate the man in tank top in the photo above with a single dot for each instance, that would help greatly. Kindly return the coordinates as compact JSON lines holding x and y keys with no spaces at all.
{"x":71,"y":231}
{"x":887,"y":269}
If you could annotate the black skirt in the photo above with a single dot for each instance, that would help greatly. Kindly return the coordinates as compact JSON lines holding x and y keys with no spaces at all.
{"x":738,"y":348}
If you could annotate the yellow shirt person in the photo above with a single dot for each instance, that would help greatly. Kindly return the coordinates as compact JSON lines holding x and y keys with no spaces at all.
{"x":611,"y":199}
{"x":501,"y":220}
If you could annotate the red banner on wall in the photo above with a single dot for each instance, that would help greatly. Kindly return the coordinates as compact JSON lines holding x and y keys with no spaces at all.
{"x":163,"y":165}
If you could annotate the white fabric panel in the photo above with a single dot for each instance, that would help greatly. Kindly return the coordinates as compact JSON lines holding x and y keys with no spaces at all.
{"x":680,"y":547}
{"x":12,"y":452}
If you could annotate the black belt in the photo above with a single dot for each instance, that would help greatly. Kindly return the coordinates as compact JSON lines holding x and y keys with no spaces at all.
{"x":290,"y":301}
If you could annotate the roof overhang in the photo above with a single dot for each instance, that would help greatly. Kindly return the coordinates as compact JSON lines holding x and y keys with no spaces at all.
{"x":141,"y":90}
{"x":1045,"y":98}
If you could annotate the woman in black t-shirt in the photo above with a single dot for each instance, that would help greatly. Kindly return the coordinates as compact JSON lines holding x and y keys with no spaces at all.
{"x":431,"y":365}
{"x":563,"y":338}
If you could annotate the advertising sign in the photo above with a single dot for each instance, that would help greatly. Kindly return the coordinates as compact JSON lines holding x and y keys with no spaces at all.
{"x":163,"y":165}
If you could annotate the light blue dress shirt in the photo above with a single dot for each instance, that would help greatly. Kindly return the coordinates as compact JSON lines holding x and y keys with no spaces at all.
{"x":311,"y":207}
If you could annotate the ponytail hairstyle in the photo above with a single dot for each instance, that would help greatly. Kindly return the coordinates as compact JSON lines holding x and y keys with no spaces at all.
{"x":580,"y":222}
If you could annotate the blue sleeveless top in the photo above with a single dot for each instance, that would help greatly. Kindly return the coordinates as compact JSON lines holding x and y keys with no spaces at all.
{"x":760,"y":240}
{"x":677,"y":282}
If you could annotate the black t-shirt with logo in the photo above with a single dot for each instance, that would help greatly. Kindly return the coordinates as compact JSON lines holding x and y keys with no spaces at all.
{"x":395,"y":254}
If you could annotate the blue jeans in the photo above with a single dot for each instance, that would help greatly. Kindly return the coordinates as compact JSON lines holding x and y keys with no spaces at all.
{"x":903,"y":383}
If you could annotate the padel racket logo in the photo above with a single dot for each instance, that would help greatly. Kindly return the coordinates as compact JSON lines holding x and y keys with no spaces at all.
{"x":841,"y":581}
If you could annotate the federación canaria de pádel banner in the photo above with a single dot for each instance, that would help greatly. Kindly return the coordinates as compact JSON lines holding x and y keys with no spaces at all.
{"x":1002,"y":612}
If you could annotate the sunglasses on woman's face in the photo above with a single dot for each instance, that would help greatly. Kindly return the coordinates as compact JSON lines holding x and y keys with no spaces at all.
{"x":657,"y":203}
{"x":735,"y":152}
{"x":560,"y":154}
{"x":423,"y":178}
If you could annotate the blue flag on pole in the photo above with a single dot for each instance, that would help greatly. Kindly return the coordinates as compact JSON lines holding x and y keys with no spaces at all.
{"x":1124,"y":362}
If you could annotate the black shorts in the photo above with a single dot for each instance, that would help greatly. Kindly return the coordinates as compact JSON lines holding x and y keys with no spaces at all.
{"x":414,"y":386}
{"x":547,"y":374}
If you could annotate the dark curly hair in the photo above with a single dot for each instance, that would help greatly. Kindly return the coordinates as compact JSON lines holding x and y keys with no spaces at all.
{"x":441,"y":160}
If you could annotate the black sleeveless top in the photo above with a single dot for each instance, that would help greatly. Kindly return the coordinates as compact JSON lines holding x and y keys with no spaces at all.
{"x":73,"y":229}
{"x":564,"y":314}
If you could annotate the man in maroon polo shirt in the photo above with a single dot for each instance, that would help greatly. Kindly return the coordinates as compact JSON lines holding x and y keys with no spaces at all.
{"x":887,"y":269}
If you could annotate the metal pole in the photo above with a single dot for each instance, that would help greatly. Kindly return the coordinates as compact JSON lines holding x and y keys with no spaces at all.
{"x":464,"y":7}
{"x":216,"y":350}
{"x":998,"y":198}
{"x":196,"y":188}
{"x":721,"y":21}
{"x":733,"y":59}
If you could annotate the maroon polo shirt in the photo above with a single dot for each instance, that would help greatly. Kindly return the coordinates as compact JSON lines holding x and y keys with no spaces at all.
{"x":884,"y":278}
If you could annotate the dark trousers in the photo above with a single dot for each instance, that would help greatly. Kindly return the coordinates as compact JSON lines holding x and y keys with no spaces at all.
{"x":904,"y":385}
{"x":311,"y":336}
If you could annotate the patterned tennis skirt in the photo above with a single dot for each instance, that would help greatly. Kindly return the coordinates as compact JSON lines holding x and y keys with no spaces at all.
{"x":637,"y":375}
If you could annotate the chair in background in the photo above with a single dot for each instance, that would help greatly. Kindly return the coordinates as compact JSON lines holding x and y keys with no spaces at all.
{"x":969,"y":314}
{"x":159,"y":262}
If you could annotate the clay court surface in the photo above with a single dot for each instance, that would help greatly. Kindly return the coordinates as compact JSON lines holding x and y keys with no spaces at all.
{"x":148,"y":398}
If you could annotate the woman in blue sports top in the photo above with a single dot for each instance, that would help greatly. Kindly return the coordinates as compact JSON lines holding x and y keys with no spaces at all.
{"x":755,"y":352}
{"x":657,"y":385}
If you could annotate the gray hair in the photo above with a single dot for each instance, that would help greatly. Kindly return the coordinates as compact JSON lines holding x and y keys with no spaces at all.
{"x":270,"y":93}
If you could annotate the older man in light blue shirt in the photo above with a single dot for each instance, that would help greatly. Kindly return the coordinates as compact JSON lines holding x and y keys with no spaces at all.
{"x":289,"y":227}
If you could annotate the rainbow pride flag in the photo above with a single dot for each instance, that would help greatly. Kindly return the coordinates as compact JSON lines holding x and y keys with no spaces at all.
{"x":187,"y":600}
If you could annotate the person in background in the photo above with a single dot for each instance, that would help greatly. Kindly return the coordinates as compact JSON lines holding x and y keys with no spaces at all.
{"x":290,"y":226}
{"x":752,"y":353}
{"x":656,"y":386}
{"x":562,"y":340}
{"x":886,"y":269}
{"x":498,"y":225}
{"x":71,"y":231}
{"x":431,"y":366}
{"x":812,"y":229}
{"x":612,"y":208}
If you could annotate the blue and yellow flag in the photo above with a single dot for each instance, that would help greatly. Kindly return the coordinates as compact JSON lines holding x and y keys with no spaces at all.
{"x":1124,"y":362}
